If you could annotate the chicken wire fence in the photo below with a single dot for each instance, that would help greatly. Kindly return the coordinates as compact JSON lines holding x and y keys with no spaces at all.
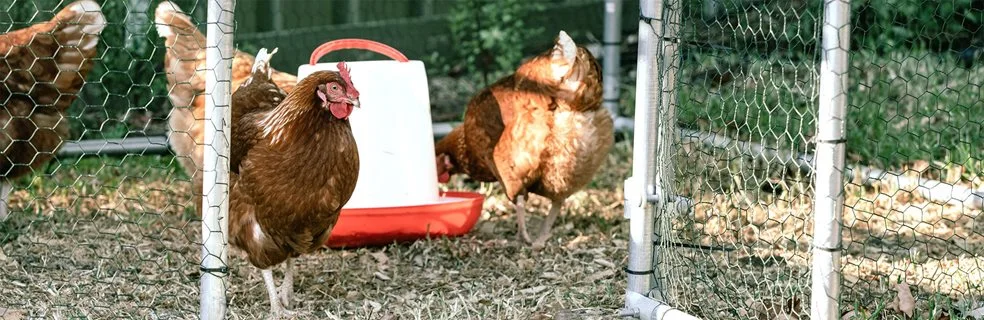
{"x":748,"y":91}
{"x":97,"y":228}
{"x":465,"y":44}
{"x":104,"y":220}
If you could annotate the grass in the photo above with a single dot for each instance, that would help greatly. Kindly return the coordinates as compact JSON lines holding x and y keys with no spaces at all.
{"x":904,"y":106}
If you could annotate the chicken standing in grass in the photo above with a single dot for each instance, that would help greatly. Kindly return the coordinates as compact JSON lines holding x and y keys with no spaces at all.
{"x":43,"y":68}
{"x":294,"y":165}
{"x":540,"y":130}
{"x":185,"y":67}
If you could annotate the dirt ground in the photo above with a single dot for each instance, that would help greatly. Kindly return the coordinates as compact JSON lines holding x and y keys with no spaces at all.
{"x":111,"y":238}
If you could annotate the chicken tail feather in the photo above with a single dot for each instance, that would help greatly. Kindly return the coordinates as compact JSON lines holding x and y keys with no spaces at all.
{"x":563,"y":55}
{"x":171,"y":22}
{"x":262,"y":62}
{"x":565,"y":49}
{"x":86,"y":13}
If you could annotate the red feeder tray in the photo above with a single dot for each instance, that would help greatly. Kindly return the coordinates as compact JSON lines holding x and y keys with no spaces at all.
{"x":454,"y":215}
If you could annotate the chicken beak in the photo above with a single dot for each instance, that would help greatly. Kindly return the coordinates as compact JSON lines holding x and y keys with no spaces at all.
{"x":355,"y":103}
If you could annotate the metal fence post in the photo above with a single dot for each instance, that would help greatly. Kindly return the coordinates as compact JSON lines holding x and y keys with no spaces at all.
{"x":652,"y":170}
{"x":829,"y":201}
{"x":612,"y":43}
{"x":218,"y":60}
{"x":637,"y":209}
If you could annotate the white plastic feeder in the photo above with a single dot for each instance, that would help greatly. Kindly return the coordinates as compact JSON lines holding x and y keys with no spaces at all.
{"x":392,"y":128}
{"x":396,"y":198}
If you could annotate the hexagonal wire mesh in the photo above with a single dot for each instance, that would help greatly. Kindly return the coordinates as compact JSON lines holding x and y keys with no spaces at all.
{"x":108,"y":227}
{"x":82,"y":225}
{"x":747,"y":108}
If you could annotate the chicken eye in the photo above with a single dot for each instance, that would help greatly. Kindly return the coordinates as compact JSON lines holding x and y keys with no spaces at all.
{"x":334,"y":87}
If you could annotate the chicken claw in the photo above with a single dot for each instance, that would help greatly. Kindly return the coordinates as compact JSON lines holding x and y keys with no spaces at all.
{"x":286,"y":288}
{"x":545,"y":229}
{"x":283,"y":314}
{"x":521,"y":234}
{"x":277,"y":310}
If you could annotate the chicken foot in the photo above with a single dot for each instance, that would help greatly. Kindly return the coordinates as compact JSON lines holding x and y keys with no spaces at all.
{"x":520,"y":205}
{"x":5,"y":187}
{"x":286,"y":288}
{"x":545,"y":228}
{"x":277,"y":310}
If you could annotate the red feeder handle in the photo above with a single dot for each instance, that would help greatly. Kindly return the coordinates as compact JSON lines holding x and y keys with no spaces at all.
{"x":364,"y":44}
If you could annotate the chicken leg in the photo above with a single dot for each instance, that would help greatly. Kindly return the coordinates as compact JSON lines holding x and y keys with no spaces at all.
{"x":5,"y":188}
{"x":277,"y":310}
{"x":545,"y":228}
{"x":286,"y":288}
{"x":520,"y":205}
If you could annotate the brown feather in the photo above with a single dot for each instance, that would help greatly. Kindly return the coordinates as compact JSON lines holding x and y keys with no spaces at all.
{"x":185,"y":67}
{"x":43,"y":67}
{"x":535,"y":131}
{"x":293,"y":178}
{"x":261,"y":96}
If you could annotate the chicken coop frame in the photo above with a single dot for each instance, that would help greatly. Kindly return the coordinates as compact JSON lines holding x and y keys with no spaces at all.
{"x":649,"y":196}
{"x":215,"y":182}
{"x":750,"y":195}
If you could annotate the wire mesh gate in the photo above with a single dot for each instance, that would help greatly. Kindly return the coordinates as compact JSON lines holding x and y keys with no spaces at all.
{"x":758,"y":161}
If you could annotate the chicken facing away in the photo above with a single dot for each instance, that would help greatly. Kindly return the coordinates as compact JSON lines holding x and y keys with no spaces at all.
{"x":43,"y":68}
{"x":184,"y":63}
{"x":541,"y":130}
{"x":294,"y":165}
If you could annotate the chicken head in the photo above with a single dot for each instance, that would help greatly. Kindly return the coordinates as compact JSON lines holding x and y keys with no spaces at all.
{"x":339,"y":97}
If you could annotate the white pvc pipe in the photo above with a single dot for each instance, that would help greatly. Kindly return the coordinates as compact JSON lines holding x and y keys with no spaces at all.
{"x":215,"y":225}
{"x":828,"y":204}
{"x":655,"y":117}
{"x":147,"y":145}
{"x":666,"y":24}
{"x":934,"y":190}
{"x":648,"y":309}
{"x":637,"y":209}
{"x":134,"y":145}
{"x":665,"y":115}
{"x":613,"y":49}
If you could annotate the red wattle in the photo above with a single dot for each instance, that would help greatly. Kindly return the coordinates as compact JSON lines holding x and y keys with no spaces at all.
{"x":340,"y":110}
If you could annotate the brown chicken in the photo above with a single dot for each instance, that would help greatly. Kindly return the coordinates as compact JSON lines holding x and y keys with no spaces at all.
{"x":295,"y":164}
{"x":185,"y":67}
{"x":43,"y":68}
{"x":541,"y":130}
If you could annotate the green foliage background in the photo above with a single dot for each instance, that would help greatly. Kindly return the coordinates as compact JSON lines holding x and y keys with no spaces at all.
{"x":920,"y":40}
{"x":126,"y":92}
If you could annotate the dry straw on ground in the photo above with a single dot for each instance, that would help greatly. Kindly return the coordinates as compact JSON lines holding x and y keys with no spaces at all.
{"x":114,"y":240}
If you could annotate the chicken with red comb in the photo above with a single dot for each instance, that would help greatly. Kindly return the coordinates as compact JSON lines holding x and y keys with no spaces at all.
{"x":294,"y":164}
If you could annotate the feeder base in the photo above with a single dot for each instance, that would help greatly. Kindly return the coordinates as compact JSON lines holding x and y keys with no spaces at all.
{"x":454,"y":215}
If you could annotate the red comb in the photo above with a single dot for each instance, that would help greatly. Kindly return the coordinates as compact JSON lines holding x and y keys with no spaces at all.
{"x":344,"y":70}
